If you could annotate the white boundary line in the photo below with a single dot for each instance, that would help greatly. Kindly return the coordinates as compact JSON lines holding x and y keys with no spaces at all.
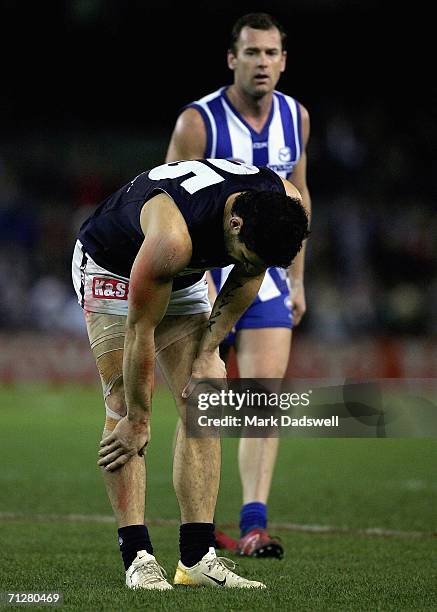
{"x":316,"y":529}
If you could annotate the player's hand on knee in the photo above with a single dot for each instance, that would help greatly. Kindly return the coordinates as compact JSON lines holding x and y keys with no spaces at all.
{"x":128,"y":439}
{"x":207,"y":366}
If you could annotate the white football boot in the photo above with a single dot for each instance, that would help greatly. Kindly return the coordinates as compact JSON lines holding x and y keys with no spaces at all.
{"x":213,"y":571}
{"x":146,"y":573}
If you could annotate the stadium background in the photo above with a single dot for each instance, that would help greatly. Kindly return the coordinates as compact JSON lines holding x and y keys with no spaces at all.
{"x":90,"y":93}
{"x":90,"y":96}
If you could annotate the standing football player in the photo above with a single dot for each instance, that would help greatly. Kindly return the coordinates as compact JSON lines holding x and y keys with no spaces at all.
{"x":251,"y":122}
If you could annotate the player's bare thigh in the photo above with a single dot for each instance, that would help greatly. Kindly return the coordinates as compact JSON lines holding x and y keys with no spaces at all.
{"x":176,"y":343}
{"x":106,"y":333}
{"x":176,"y":358}
{"x":263,"y":352}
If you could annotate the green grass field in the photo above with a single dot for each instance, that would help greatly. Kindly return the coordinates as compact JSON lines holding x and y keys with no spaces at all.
{"x":48,"y":442}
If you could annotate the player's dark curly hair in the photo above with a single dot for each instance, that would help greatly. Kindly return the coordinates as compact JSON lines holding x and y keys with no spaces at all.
{"x":274,"y":225}
{"x":257,"y":21}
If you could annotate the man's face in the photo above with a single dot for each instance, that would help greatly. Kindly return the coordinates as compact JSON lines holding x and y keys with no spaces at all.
{"x":238,"y":251}
{"x":258,"y":62}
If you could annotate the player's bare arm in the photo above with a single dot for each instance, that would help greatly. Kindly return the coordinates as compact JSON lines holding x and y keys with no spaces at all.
{"x":166,"y":250}
{"x":298,"y":178}
{"x":238,"y":292}
{"x":236,"y":295}
{"x":188,"y":140}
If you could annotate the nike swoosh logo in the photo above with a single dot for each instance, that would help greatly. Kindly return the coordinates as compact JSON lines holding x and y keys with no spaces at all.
{"x":219,"y":582}
{"x":105,"y":327}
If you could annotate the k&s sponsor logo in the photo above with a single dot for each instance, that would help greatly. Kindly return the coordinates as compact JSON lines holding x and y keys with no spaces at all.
{"x":110,"y":288}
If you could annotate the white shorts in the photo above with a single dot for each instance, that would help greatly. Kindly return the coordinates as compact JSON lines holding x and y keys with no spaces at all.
{"x":102,"y":291}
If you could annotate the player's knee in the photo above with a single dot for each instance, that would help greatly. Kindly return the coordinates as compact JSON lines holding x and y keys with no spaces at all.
{"x":115,"y":402}
{"x":115,"y":405}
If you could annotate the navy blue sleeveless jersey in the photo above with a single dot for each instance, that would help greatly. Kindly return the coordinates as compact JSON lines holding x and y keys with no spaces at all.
{"x":112,"y":236}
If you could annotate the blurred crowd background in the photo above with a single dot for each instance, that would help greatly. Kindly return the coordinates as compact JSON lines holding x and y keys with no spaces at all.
{"x":93,"y":102}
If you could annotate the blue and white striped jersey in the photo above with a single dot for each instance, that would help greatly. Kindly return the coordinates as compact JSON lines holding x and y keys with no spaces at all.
{"x":229,"y":136}
{"x":278,"y":146}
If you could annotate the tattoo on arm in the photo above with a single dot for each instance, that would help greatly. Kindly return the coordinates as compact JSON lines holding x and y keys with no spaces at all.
{"x":224,"y":301}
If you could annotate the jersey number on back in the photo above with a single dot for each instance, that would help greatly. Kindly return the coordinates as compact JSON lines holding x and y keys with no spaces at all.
{"x":204,"y":176}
